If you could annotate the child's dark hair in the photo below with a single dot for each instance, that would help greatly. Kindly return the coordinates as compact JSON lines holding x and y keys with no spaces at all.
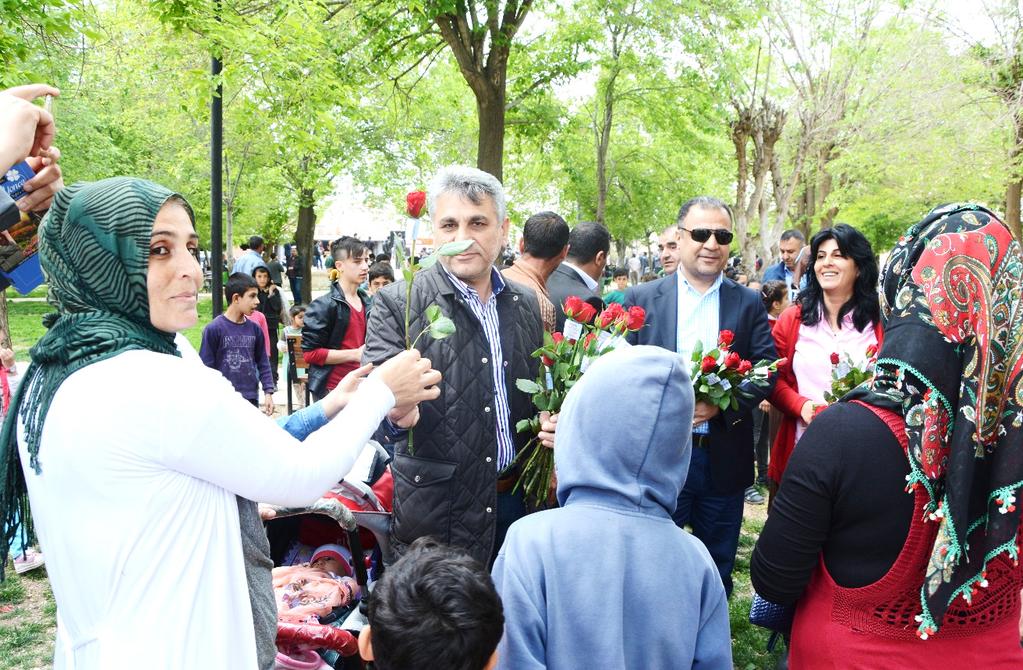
{"x":381,"y":269}
{"x":295,"y":310}
{"x":237,"y":284}
{"x":347,"y":247}
{"x":436,"y":607}
{"x":620,"y":272}
{"x":772,"y":291}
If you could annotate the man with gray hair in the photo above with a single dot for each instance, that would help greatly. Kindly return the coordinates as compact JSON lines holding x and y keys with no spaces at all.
{"x":455,"y":481}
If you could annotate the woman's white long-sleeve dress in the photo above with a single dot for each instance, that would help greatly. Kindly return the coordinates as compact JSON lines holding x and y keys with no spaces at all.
{"x":142,"y":455}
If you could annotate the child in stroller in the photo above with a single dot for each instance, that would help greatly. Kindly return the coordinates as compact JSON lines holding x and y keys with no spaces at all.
{"x":319,"y":591}
{"x":308,"y":592}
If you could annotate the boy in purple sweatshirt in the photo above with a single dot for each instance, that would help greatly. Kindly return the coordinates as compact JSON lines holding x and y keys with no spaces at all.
{"x":235,"y":345}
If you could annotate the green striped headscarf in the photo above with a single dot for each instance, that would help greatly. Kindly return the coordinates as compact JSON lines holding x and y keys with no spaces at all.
{"x":94,"y":250}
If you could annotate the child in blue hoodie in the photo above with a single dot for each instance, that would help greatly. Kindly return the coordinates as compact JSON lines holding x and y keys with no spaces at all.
{"x":607,"y":579}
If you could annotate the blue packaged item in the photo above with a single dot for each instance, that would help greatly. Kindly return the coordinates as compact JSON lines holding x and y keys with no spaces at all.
{"x":14,"y":180}
{"x":26,"y":276}
{"x":19,"y":262}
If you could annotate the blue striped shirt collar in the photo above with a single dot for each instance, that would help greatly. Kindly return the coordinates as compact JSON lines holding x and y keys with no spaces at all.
{"x":684,"y":285}
{"x":497,"y":283}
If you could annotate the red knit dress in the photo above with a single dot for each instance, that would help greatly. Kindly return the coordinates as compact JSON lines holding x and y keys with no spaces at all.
{"x":875,"y":627}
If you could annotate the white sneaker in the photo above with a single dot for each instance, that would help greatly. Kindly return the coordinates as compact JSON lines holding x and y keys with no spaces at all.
{"x":30,"y":560}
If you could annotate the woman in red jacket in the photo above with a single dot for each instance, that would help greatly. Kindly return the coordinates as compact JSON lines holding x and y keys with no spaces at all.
{"x":836,"y":315}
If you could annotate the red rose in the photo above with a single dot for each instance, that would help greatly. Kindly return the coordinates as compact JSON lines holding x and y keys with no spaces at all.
{"x":725,"y":338}
{"x":744,"y":367}
{"x":708,"y":365}
{"x":637,"y":317}
{"x":613,"y":313}
{"x":586,"y":313}
{"x":414,"y":202}
{"x":558,"y":338}
{"x":732,"y":360}
{"x":572,"y":305}
{"x":589,"y":337}
{"x":548,"y":361}
{"x":872,"y":351}
{"x":834,"y":358}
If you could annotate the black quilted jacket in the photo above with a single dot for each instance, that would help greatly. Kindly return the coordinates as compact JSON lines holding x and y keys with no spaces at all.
{"x":447,"y":487}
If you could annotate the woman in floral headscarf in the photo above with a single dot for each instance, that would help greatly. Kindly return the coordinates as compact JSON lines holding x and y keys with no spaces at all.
{"x":929,"y":579}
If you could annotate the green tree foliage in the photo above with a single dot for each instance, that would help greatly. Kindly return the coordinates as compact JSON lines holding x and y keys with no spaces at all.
{"x":614,"y":110}
{"x":35,"y":35}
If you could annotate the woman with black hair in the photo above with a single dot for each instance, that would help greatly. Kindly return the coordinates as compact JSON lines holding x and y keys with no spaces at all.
{"x":836,"y":316}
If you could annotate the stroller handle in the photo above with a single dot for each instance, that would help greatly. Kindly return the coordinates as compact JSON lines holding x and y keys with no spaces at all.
{"x":326,"y":506}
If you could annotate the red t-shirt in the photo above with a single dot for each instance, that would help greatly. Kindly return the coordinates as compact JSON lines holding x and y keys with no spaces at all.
{"x":354,"y":338}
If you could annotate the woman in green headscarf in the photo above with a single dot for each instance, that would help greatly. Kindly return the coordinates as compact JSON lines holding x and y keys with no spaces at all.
{"x":132,"y":456}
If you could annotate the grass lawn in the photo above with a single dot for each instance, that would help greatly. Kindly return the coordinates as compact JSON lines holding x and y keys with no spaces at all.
{"x":749,"y":642}
{"x":27,"y":620}
{"x":27,"y":613}
{"x":26,"y":322}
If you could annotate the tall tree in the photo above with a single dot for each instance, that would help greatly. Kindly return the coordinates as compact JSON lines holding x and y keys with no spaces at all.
{"x":480,"y":36}
{"x":1003,"y":58}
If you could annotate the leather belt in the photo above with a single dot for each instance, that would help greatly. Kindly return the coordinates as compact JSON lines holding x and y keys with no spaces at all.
{"x":508,"y":483}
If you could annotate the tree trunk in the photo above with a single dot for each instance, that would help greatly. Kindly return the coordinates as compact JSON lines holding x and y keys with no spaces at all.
{"x":5,"y":329}
{"x":1015,"y":186}
{"x":603,"y":132}
{"x":304,"y":240}
{"x":467,"y":33}
{"x":1012,"y":201}
{"x":490,"y":110}
{"x":828,"y":217}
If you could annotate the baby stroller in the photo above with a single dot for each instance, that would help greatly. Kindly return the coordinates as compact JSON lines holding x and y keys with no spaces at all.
{"x":355,"y":513}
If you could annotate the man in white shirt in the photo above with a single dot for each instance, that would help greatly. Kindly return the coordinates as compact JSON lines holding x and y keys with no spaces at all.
{"x":694,"y":305}
{"x":580,"y":274}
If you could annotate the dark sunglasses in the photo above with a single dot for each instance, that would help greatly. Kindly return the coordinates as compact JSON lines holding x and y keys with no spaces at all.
{"x":701,"y":235}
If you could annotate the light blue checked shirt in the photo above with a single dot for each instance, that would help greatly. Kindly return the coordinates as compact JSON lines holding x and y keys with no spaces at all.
{"x":486,"y":314}
{"x":698,"y":320}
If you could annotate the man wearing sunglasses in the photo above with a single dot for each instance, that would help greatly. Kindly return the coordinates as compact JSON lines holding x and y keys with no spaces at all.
{"x":694,"y":305}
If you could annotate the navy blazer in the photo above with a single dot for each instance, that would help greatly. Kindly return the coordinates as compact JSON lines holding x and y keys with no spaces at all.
{"x":562,"y":283}
{"x":741,"y":311}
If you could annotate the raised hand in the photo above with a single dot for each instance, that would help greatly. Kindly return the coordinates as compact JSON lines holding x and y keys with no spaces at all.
{"x":411,"y":379}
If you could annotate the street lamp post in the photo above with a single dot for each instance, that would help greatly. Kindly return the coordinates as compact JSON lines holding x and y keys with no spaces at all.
{"x":217,"y":184}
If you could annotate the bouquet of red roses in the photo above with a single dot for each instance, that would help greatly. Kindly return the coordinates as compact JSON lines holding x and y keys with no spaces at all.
{"x":563,"y":360}
{"x":718,"y":375}
{"x":848,"y":373}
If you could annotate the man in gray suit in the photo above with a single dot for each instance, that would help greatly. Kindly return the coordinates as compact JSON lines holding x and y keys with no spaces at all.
{"x":580,"y":274}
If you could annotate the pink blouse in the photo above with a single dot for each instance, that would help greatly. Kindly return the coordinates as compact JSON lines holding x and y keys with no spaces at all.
{"x":811,"y":361}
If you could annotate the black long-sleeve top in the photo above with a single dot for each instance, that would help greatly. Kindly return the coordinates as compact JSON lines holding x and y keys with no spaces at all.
{"x":843,"y":494}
